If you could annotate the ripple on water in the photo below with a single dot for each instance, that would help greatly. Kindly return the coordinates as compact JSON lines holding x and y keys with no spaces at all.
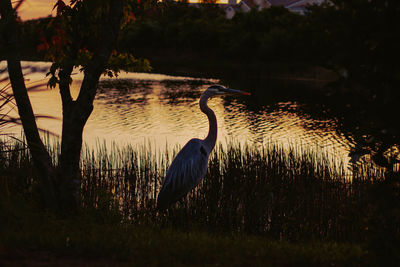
{"x":165,"y":109}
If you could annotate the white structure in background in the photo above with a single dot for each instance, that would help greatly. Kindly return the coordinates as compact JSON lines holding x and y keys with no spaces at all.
{"x":231,"y":9}
{"x":244,"y":6}
{"x":296,"y":6}
{"x":300,"y":6}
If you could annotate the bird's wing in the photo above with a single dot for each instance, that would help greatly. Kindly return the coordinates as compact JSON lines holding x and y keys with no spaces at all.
{"x":184,"y":173}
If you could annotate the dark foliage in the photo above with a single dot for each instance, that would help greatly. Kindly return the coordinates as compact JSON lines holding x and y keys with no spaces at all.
{"x":279,"y":193}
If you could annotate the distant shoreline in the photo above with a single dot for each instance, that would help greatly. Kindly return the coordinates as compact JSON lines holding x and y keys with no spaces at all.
{"x":226,"y":69}
{"x":235,"y":68}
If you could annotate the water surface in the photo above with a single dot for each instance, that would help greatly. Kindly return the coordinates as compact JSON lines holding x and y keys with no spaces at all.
{"x":163,"y":110}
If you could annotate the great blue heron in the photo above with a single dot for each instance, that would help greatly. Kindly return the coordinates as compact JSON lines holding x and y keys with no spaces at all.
{"x":190,"y":164}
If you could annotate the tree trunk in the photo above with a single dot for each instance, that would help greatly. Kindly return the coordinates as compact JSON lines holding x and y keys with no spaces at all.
{"x":76,"y":112}
{"x":62,"y":192}
{"x":71,"y":144}
{"x":41,"y":158}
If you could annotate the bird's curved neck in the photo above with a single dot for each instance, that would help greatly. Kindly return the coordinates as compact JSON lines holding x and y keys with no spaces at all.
{"x":211,"y":138}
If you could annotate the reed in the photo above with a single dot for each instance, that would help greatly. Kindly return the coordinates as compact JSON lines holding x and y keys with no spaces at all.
{"x":282,"y":193}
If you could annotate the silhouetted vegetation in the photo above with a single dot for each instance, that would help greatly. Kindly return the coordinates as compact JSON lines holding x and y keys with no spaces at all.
{"x":83,"y":34}
{"x":96,"y":238}
{"x":271,"y":192}
{"x":203,"y":36}
{"x":356,"y":39}
{"x":285,"y":194}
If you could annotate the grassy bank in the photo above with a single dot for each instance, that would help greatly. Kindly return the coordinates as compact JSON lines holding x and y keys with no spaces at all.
{"x":30,"y":236}
{"x":255,"y":206}
{"x":288,"y":194}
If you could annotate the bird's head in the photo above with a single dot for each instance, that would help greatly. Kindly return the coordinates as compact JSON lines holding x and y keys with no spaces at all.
{"x":221,"y":90}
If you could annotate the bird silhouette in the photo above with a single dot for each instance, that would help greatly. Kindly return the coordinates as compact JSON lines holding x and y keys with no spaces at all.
{"x":190,"y":164}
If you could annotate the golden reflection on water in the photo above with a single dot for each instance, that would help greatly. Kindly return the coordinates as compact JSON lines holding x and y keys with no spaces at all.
{"x":163,"y":111}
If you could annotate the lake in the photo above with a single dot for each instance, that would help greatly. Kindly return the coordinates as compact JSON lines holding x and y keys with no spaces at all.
{"x":163,"y":111}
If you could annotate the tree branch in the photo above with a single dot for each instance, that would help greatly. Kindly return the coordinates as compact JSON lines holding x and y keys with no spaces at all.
{"x":96,"y":66}
{"x":41,"y":157}
{"x":17,"y":80}
{"x":64,"y":85}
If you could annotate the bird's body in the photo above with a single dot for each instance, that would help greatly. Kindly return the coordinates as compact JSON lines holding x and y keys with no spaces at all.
{"x":189,"y":168}
{"x":190,"y":164}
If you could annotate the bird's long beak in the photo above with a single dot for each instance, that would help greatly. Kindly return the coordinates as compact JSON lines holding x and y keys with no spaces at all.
{"x":236,"y":92}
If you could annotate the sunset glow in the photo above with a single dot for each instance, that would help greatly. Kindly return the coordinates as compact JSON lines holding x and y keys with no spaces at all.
{"x":33,"y":9}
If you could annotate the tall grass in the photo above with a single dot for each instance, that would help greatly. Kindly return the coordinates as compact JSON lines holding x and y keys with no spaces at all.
{"x":285,"y":194}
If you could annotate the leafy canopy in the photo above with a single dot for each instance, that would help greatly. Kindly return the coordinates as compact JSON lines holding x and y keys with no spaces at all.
{"x":72,"y":38}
